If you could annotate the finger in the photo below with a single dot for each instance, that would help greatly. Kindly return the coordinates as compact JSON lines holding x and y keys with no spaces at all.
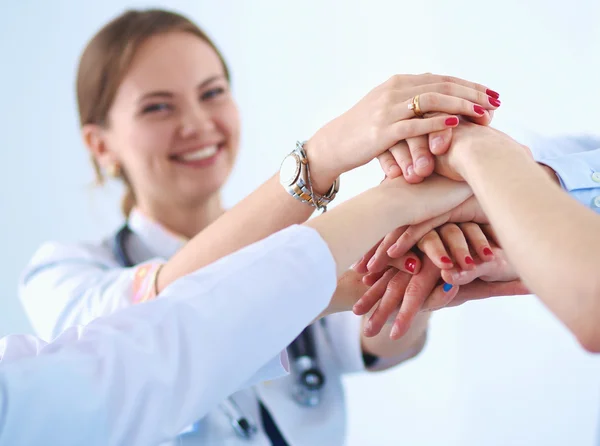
{"x":409,"y":128}
{"x":477,"y":240}
{"x":440,"y":297}
{"x":388,"y":304}
{"x":432,"y":246}
{"x":499,"y":269}
{"x":371,"y":279}
{"x":456,"y":243}
{"x":389,"y":165}
{"x":409,"y":263}
{"x":402,"y":156}
{"x":421,"y":156}
{"x":373,"y":294}
{"x":486,"y":119}
{"x":443,"y":83}
{"x":439,"y":142}
{"x":380,"y":259}
{"x":361,"y":266}
{"x":417,"y":290}
{"x":413,"y":234}
{"x":489,"y":232}
{"x":484,"y":290}
{"x":437,"y":102}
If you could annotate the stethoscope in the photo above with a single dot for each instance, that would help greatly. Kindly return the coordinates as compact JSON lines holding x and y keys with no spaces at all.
{"x":309,"y":379}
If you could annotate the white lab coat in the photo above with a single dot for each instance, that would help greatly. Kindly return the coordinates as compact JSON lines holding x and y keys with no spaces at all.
{"x":139,"y":376}
{"x":66,"y":285}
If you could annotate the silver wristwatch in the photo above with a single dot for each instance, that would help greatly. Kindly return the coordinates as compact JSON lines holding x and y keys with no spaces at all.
{"x":294,"y":176}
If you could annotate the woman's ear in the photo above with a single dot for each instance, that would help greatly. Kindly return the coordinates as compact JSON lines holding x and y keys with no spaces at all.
{"x":94,"y":139}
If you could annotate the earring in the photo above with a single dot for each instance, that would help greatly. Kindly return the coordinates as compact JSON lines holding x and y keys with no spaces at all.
{"x":114,"y":170}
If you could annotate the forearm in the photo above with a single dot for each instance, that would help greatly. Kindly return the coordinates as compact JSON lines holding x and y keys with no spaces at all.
{"x":407,"y":347}
{"x":542,"y":229}
{"x":265,"y":211}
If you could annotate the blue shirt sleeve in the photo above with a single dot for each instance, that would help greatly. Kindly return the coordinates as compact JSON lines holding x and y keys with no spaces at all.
{"x":576,"y":161}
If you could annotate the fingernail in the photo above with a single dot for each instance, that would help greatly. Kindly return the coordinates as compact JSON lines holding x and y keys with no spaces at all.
{"x":455,"y":276}
{"x":422,"y":162}
{"x":446,"y":259}
{"x":391,"y":250}
{"x":410,"y":170}
{"x":479,"y":109}
{"x":447,"y":287}
{"x":495,"y":102}
{"x":394,"y":332}
{"x":394,"y":171}
{"x":492,"y":93}
{"x":436,"y":143}
{"x":368,"y":327}
{"x":410,"y":265}
{"x":488,"y":252}
{"x":371,"y":262}
{"x":453,"y":121}
{"x":469,"y":260}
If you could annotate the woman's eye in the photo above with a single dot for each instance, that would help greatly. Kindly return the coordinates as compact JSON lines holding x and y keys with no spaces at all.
{"x":211,"y":94}
{"x":152,"y":108}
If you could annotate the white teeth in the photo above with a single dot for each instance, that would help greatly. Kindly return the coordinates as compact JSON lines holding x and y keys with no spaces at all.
{"x":201,"y":154}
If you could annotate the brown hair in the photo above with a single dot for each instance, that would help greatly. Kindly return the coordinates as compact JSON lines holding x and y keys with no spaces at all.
{"x":106,"y":59}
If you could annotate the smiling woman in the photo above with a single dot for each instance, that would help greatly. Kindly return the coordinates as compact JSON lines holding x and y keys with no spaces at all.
{"x":171,"y":134}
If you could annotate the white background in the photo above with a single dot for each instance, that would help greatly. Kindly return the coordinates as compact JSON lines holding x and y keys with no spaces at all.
{"x":501,"y":372}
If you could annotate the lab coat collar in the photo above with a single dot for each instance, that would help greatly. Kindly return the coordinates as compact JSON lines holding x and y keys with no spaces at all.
{"x":162,"y":242}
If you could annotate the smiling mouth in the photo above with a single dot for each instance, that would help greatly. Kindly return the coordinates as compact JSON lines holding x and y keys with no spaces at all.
{"x":197,"y":155}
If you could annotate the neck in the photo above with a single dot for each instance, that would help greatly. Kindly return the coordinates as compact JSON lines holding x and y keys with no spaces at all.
{"x":187,"y":220}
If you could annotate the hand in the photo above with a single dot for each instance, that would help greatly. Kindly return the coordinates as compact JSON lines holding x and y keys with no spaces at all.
{"x":415,"y":156}
{"x":414,"y":204}
{"x":398,"y":242}
{"x":400,"y":297}
{"x":468,"y":137}
{"x":382,"y":118}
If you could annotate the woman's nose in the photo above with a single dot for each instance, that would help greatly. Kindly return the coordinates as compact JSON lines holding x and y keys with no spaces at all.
{"x":196,"y":121}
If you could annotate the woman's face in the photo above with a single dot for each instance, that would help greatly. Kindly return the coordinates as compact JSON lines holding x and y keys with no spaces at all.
{"x":173,"y":126}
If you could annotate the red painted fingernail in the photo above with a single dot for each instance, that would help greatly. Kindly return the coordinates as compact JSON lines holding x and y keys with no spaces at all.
{"x":452,"y":121}
{"x":495,"y":102}
{"x":446,"y":259}
{"x":479,"y":109}
{"x":492,"y":93}
{"x":410,"y":265}
{"x":469,"y":260}
{"x":488,"y":252}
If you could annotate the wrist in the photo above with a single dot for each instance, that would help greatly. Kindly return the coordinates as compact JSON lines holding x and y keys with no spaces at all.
{"x":551,"y":173}
{"x":322,"y":171}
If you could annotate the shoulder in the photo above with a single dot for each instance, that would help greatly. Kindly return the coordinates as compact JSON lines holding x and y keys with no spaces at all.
{"x":99,"y":254}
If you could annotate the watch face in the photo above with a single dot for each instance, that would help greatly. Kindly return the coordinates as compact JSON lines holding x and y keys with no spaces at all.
{"x":290,"y":168}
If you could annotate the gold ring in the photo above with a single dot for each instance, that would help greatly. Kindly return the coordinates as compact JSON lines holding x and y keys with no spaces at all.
{"x":414,"y":106}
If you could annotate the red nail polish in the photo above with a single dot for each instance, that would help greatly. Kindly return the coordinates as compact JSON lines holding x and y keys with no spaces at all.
{"x":495,"y":102}
{"x":410,"y":265}
{"x":452,"y":121}
{"x":488,"y":252}
{"x":492,"y":93}
{"x":479,"y":109}
{"x":469,"y":260}
{"x":446,"y":259}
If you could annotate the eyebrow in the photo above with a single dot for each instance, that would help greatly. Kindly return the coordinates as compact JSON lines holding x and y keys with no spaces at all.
{"x":168,"y":94}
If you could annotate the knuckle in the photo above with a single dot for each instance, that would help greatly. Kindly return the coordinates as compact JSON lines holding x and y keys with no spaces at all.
{"x":418,"y":146}
{"x":429,"y":237}
{"x":450,"y":229}
{"x":470,"y":227}
{"x":414,"y":289}
{"x":448,"y":79}
{"x":447,"y":88}
{"x":482,"y":98}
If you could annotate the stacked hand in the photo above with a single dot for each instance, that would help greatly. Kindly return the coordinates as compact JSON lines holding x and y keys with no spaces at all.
{"x":461,"y":260}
